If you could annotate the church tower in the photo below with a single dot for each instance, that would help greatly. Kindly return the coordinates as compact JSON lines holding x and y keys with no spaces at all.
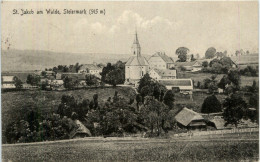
{"x":136,"y":48}
{"x":137,"y":65}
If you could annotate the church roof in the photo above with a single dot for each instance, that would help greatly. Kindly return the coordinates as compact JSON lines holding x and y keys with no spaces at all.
{"x":136,"y":41}
{"x":137,"y":61}
{"x":166,"y":58}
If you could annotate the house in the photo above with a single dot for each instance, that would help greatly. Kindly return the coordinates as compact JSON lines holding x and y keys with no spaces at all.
{"x":137,"y":65}
{"x":160,"y":61}
{"x":189,"y":66}
{"x":184,"y":85}
{"x":49,"y":73}
{"x":8,"y":82}
{"x":90,"y":69}
{"x":246,"y":60}
{"x":162,"y":74}
{"x":75,"y":76}
{"x":190,"y":119}
{"x":80,"y":132}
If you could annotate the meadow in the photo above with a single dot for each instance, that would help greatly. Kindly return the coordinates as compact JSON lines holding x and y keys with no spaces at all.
{"x":16,"y":104}
{"x":135,"y":150}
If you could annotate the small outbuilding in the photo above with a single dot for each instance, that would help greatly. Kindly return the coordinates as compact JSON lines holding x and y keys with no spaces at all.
{"x":190,"y":119}
{"x":80,"y":132}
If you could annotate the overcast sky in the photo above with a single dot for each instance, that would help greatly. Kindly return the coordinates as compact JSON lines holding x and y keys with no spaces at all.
{"x":161,"y":26}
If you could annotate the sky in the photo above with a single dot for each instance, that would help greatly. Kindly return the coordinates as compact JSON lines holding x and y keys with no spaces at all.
{"x":161,"y":26}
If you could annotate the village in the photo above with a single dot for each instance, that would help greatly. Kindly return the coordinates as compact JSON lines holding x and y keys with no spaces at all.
{"x":162,"y":70}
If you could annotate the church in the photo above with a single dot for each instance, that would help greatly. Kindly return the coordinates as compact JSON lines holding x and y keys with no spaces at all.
{"x":137,"y":65}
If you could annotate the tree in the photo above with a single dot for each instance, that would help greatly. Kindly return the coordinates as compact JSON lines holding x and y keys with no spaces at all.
{"x":168,"y":99}
{"x":205,"y":64}
{"x":234,"y":109}
{"x":18,"y":83}
{"x":182,"y":53}
{"x":91,"y":80}
{"x":247,"y":52}
{"x":224,"y":82}
{"x":144,"y":81}
{"x":68,"y":83}
{"x":192,"y":58}
{"x":154,"y":114}
{"x":67,"y":106}
{"x":115,"y":77}
{"x":197,"y":56}
{"x":234,"y":77}
{"x":210,"y":53}
{"x":211,"y":105}
{"x":219,"y":54}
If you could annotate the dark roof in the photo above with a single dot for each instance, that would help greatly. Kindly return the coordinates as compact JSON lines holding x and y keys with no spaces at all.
{"x":137,"y":61}
{"x":186,"y":116}
{"x":90,"y":67}
{"x":165,"y":72}
{"x":73,"y":76}
{"x":177,"y":82}
{"x":81,"y":129}
{"x":166,"y":58}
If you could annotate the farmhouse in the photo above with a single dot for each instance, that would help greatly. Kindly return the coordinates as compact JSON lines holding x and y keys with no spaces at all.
{"x":137,"y":65}
{"x":189,"y":66}
{"x":189,"y":119}
{"x":8,"y":82}
{"x":162,"y":74}
{"x":184,"y":85}
{"x":90,"y":69}
{"x":160,"y":61}
{"x":80,"y":132}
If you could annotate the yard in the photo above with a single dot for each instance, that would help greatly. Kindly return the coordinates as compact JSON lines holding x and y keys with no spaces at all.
{"x":136,"y":149}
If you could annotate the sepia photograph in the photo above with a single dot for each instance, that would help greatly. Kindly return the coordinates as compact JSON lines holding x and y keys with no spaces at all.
{"x":130,"y":81}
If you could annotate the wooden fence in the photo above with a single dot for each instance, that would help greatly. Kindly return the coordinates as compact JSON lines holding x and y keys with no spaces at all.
{"x":201,"y":133}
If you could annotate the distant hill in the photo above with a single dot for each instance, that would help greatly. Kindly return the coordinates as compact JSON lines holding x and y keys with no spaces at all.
{"x":24,"y":60}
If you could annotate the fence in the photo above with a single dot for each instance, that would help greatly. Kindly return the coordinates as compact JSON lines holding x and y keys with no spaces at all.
{"x":236,"y":130}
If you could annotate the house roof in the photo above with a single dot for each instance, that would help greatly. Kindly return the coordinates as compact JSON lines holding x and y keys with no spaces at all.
{"x":177,"y":82}
{"x":165,"y":58}
{"x":137,"y":61}
{"x":165,"y":72}
{"x":90,"y":67}
{"x":245,"y":59}
{"x":185,"y":116}
{"x":73,"y":76}
{"x":81,"y":129}
{"x":187,"y":63}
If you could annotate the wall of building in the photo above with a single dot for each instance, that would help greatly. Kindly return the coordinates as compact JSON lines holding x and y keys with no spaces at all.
{"x":135,"y":72}
{"x":157,"y":62}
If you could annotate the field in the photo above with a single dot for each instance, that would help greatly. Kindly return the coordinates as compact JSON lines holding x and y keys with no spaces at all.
{"x":16,"y":104}
{"x":245,"y":80}
{"x":137,"y":149}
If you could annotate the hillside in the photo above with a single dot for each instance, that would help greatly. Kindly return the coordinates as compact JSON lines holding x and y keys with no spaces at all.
{"x":24,"y":60}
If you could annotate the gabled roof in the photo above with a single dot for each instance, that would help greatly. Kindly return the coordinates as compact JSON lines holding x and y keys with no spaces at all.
{"x":73,"y":76}
{"x":185,"y":116}
{"x":187,"y":63}
{"x":137,"y":61}
{"x":177,"y":82}
{"x":90,"y":67}
{"x":81,"y":129}
{"x":165,"y":72}
{"x":165,"y":58}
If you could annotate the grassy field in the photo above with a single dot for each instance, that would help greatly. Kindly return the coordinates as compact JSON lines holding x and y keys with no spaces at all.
{"x":135,"y":150}
{"x":16,"y":104}
{"x":245,"y":80}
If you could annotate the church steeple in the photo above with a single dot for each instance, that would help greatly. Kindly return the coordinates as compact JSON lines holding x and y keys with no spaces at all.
{"x":136,"y":48}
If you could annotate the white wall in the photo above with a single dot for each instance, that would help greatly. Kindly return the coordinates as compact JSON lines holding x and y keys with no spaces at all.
{"x":157,"y":62}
